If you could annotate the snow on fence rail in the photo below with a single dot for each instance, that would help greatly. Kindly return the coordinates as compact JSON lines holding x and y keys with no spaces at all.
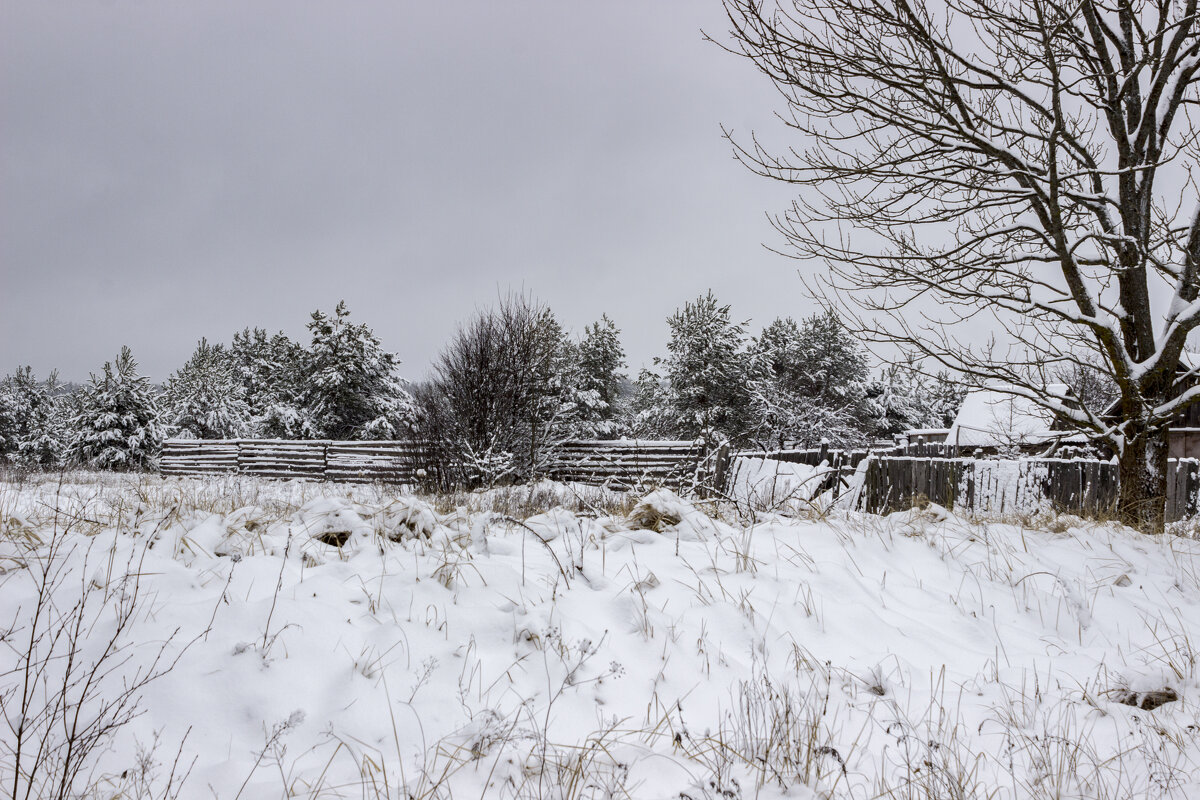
{"x":616,"y":463}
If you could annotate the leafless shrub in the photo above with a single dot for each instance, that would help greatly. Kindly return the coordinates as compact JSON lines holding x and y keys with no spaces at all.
{"x":78,"y":676}
{"x":496,"y":405}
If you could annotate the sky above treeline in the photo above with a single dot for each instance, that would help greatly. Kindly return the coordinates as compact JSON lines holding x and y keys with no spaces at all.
{"x":176,"y":170}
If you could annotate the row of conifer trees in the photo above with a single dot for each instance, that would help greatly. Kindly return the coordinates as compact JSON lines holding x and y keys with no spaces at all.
{"x":509,"y":385}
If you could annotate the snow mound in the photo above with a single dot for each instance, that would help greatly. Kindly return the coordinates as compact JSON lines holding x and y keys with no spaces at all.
{"x":766,"y":484}
{"x":406,"y":518}
{"x":333,"y":521}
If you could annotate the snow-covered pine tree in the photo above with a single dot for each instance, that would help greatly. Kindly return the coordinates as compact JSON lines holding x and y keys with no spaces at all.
{"x":777,"y":409}
{"x":945,"y":398}
{"x":907,"y":396}
{"x":8,"y":418}
{"x":50,"y":444}
{"x":835,"y":369}
{"x":116,"y":423}
{"x":204,"y":398}
{"x":270,"y":369}
{"x":601,"y":359}
{"x":31,"y":422}
{"x":899,"y":400}
{"x":706,"y":367}
{"x":43,"y":440}
{"x":350,"y":389}
{"x":649,"y":413}
{"x":808,"y":383}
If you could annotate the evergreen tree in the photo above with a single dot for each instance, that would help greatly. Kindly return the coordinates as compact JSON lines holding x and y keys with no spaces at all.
{"x":350,"y":388}
{"x":650,"y":414}
{"x":204,"y":398}
{"x":906,"y":397}
{"x":706,"y":368}
{"x":946,"y":397}
{"x":116,"y":420}
{"x":32,"y":420}
{"x":9,"y":418}
{"x":558,"y":406}
{"x":778,"y":408}
{"x":899,"y":400}
{"x":807,"y":384}
{"x":45,"y":440}
{"x":601,"y":359}
{"x":270,"y":369}
{"x":835,"y":370}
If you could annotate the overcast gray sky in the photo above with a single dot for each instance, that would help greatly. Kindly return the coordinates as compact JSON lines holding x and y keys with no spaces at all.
{"x":173,"y":170}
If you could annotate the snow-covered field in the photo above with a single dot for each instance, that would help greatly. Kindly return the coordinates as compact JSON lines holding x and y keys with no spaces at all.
{"x":332,"y":641}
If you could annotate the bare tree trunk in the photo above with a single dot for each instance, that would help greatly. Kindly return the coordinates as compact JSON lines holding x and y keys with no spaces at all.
{"x":1143,"y":474}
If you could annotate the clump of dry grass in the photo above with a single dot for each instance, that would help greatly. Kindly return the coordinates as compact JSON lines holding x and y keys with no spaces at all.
{"x":653,"y":518}
{"x":523,"y":502}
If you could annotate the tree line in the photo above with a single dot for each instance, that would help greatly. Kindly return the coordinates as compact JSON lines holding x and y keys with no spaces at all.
{"x":510,"y":385}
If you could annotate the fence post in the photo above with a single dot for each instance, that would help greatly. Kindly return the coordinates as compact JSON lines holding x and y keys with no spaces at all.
{"x":721,"y":470}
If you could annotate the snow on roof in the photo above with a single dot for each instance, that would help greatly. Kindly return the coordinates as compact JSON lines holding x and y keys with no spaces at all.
{"x":992,"y":417}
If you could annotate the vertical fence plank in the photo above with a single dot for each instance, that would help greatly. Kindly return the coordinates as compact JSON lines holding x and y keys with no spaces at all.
{"x":1172,"y":476}
{"x":1193,"y":486}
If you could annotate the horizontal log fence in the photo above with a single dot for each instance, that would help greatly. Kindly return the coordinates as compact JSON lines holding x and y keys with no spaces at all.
{"x":629,"y":463}
{"x":198,"y":457}
{"x":621,"y":464}
{"x":369,"y":462}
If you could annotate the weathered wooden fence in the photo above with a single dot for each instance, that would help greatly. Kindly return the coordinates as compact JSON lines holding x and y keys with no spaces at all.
{"x":997,"y":486}
{"x":895,"y":477}
{"x":891,"y":482}
{"x":625,"y":463}
{"x":629,"y":463}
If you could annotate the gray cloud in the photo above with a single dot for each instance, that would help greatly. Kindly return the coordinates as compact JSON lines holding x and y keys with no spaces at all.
{"x":169,"y":171}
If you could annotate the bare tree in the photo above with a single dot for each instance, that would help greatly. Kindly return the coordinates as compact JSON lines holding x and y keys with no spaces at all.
{"x":1026,"y":164}
{"x":498,"y":402}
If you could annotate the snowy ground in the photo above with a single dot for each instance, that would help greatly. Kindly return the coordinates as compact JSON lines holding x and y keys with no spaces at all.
{"x":598,"y":650}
